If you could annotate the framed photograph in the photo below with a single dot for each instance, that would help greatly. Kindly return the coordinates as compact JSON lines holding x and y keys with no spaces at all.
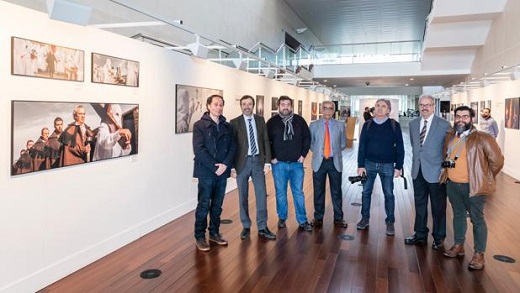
{"x":274,"y":104}
{"x":43,"y":136}
{"x":113,"y":70}
{"x":300,"y":108}
{"x":314,"y":110}
{"x":482,"y":105}
{"x":511,"y":112}
{"x":190,"y":102}
{"x":260,"y":105}
{"x":488,"y":104}
{"x":474,"y":106}
{"x":37,"y":59}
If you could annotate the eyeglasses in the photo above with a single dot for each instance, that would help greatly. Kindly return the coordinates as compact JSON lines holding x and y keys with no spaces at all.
{"x":464,"y":117}
{"x":425,"y":105}
{"x":328,"y":108}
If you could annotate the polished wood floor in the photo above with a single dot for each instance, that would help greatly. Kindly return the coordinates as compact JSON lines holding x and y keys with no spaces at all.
{"x":320,"y":261}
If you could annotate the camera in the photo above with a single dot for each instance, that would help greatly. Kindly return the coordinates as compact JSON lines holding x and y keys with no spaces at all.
{"x":448,"y":164}
{"x":354,"y":179}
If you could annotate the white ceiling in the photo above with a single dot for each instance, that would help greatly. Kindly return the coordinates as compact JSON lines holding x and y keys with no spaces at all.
{"x":452,"y":32}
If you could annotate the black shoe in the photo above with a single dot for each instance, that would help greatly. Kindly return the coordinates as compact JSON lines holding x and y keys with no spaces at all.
{"x":265,"y":233}
{"x":341,"y":223}
{"x":316,"y":223}
{"x":414,"y":240}
{"x":281,"y":223}
{"x":245,"y":233}
{"x":217,"y":238}
{"x":438,"y":244}
{"x":306,"y":227}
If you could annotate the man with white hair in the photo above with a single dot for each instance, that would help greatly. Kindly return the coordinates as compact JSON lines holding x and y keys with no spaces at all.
{"x":112,"y":140}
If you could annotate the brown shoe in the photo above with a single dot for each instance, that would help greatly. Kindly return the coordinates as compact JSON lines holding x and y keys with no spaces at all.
{"x":202,"y":245}
{"x":455,"y":250}
{"x":477,"y":262}
{"x":217,"y":238}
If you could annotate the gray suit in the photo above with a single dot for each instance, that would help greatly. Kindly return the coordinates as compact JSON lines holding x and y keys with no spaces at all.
{"x":426,"y":169}
{"x":251,"y":166}
{"x":331,"y":167}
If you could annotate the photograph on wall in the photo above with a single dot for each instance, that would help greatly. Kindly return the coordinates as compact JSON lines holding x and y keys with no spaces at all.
{"x":511,"y":111}
{"x":488,"y":104}
{"x":50,"y":135}
{"x":474,"y":106}
{"x":344,"y":112}
{"x":190,"y":102}
{"x":37,"y":59}
{"x":482,"y":106}
{"x":274,"y":104}
{"x":300,"y":108}
{"x":314,"y":110}
{"x":260,"y":105}
{"x":113,"y":70}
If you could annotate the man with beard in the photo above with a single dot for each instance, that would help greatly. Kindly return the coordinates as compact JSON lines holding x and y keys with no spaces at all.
{"x":251,"y":161}
{"x":473,"y":159}
{"x":76,"y":140}
{"x":54,"y":146}
{"x":427,"y":134}
{"x":39,"y":151}
{"x":290,"y":141}
{"x":488,"y":124}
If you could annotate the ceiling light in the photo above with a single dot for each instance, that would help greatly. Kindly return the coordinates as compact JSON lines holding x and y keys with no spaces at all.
{"x":411,"y":78}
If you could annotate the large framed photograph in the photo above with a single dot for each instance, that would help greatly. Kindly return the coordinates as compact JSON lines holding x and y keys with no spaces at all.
{"x":260,"y":105}
{"x":190,"y":102}
{"x":37,"y":59}
{"x":50,"y":135}
{"x":113,"y":70}
{"x":474,"y":106}
{"x":511,"y":112}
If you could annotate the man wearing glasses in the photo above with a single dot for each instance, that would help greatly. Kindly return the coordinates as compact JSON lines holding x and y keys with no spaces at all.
{"x":327,"y":141}
{"x":473,"y":159}
{"x":427,"y":134}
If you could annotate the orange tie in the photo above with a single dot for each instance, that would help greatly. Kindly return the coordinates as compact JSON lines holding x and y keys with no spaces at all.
{"x":326,"y":147}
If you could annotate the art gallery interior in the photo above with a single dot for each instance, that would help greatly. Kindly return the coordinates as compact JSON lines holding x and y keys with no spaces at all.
{"x":55,"y":222}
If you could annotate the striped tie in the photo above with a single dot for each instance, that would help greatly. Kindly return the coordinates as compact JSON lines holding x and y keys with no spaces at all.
{"x":423,"y":132}
{"x":252,"y":141}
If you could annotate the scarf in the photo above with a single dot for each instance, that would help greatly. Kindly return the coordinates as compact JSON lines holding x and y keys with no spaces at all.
{"x":288,"y":130}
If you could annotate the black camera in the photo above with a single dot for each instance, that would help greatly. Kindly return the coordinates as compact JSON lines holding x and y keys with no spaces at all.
{"x":354,"y":179}
{"x":448,"y":164}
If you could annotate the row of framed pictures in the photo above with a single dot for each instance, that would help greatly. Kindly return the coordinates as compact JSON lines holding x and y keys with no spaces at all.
{"x":37,"y":59}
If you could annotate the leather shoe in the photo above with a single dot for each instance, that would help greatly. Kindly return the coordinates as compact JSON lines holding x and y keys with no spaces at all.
{"x":245,"y":233}
{"x":316,"y":223}
{"x":438,"y":244}
{"x":281,"y":223}
{"x":477,"y":262}
{"x":341,"y":223}
{"x":414,"y":240}
{"x":265,"y":233}
{"x":455,"y":250}
{"x":306,"y":227}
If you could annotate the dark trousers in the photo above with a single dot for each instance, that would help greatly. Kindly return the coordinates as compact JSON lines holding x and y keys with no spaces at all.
{"x":437,"y":194}
{"x":210,"y":196}
{"x":254,"y":169}
{"x":319,"y":181}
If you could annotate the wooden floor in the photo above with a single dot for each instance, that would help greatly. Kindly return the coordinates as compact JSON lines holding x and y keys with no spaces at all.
{"x":313,"y":262}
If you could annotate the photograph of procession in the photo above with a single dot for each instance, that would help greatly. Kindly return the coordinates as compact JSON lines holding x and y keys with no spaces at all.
{"x":37,"y":59}
{"x":190,"y":102}
{"x":113,"y":70}
{"x":50,"y":135}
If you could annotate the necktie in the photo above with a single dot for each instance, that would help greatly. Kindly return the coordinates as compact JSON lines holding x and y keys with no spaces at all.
{"x":252,"y":141}
{"x":423,"y":132}
{"x":326,"y":146}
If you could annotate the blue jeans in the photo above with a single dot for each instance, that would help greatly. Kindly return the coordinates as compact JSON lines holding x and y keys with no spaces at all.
{"x":386,"y":174}
{"x":210,"y":196}
{"x":293,"y":173}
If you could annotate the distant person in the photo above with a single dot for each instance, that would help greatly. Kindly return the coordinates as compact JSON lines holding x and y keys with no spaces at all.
{"x":488,"y":123}
{"x":54,"y":146}
{"x":367,"y":115}
{"x":25,"y":163}
{"x":290,"y":141}
{"x":214,"y":149}
{"x":40,"y":152}
{"x":76,"y":139}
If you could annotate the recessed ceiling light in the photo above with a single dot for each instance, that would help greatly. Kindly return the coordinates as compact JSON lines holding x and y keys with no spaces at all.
{"x":325,"y":80}
{"x":334,"y":85}
{"x":411,"y":78}
{"x":406,"y":84}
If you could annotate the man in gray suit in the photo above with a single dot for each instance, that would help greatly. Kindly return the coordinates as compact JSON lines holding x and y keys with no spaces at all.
{"x":427,"y":134}
{"x":251,"y":160}
{"x":327,"y":141}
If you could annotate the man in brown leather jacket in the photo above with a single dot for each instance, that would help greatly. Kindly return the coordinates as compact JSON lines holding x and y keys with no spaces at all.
{"x":473,"y":159}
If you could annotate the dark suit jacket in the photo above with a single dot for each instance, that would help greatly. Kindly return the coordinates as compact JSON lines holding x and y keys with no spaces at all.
{"x":242,"y":141}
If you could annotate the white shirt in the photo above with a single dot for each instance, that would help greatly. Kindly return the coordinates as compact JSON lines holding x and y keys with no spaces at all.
{"x":248,"y":135}
{"x":421,"y":125}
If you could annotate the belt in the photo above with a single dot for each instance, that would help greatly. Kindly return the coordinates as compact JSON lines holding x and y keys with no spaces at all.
{"x":252,"y":156}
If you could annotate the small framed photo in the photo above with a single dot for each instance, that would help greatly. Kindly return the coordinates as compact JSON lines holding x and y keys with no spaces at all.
{"x":113,"y":70}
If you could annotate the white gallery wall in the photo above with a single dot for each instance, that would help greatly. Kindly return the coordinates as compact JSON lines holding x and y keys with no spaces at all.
{"x":55,"y":222}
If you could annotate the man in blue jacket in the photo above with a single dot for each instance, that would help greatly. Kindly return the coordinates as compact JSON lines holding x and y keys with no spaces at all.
{"x":214,"y":150}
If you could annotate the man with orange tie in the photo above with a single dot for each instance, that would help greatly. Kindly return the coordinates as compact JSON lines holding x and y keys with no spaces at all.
{"x":327,"y":141}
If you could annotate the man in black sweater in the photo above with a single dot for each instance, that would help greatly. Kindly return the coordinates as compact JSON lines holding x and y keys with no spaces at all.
{"x":381,"y":151}
{"x":290,"y":140}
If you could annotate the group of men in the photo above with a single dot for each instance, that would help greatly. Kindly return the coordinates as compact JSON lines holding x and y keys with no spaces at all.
{"x":72,"y":145}
{"x":248,"y":147}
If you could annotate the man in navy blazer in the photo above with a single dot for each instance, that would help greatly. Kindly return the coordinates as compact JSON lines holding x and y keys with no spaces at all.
{"x":327,"y":161}
{"x":427,"y":134}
